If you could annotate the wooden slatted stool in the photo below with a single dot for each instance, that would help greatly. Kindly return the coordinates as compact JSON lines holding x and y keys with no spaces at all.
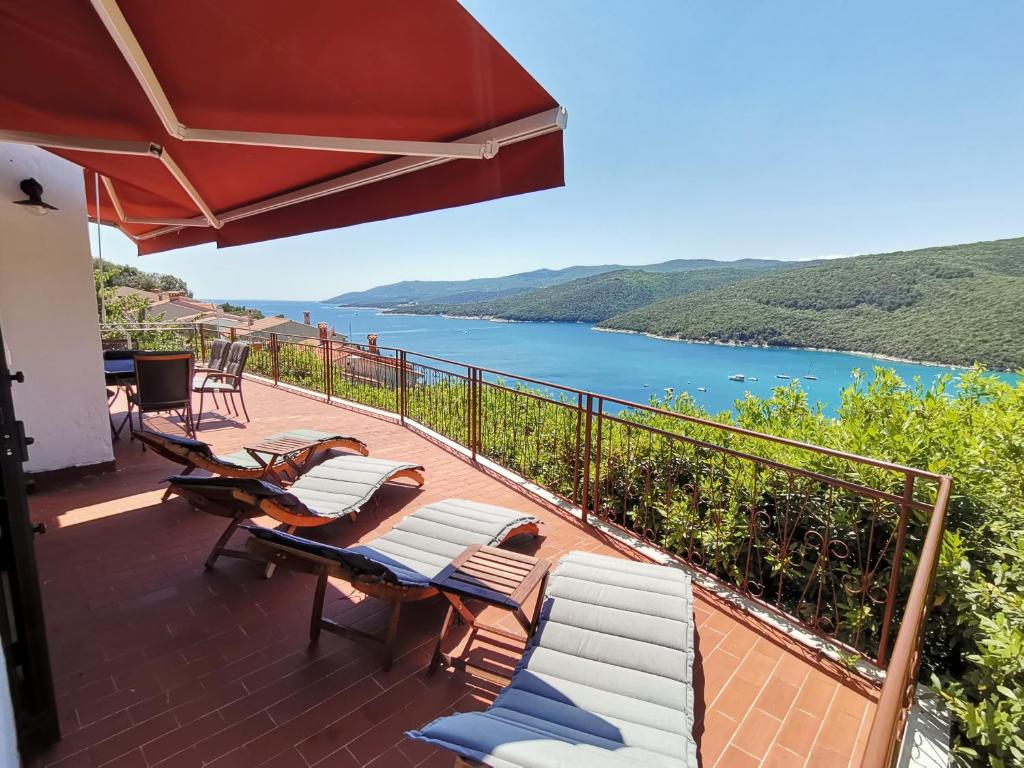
{"x":490,"y":576}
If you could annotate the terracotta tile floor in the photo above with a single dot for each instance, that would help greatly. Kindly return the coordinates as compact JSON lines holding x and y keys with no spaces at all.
{"x":161,"y":663}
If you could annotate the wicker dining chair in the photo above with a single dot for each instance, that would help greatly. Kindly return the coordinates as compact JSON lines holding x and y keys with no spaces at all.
{"x":227,"y":382}
{"x":163,"y":382}
{"x":218,"y":357}
{"x":217,"y":362}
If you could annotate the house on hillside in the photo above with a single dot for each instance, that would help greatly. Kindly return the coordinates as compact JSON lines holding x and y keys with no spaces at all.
{"x":291,"y":330}
{"x":369,"y":366}
{"x":124,"y":291}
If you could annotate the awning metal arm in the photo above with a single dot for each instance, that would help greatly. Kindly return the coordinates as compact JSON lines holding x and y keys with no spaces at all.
{"x":112,"y":194}
{"x":452,"y":150}
{"x":520,"y":130}
{"x":116,"y":147}
{"x":104,"y":146}
{"x":175,"y":171}
{"x":123,"y":36}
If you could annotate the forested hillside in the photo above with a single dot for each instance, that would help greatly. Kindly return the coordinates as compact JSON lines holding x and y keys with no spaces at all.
{"x":591,"y":299}
{"x":116,"y":275}
{"x":956,"y":304}
{"x":488,"y":288}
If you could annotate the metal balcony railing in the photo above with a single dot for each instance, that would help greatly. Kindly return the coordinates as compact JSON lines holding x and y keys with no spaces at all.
{"x":826,"y":538}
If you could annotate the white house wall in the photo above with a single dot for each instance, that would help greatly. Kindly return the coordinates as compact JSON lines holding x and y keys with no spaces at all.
{"x":48,"y":313}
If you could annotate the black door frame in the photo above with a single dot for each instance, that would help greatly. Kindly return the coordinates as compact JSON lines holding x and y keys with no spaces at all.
{"x":22,"y":626}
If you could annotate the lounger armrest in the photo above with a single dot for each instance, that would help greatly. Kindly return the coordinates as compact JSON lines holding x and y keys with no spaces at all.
{"x":184,"y":444}
{"x":248,"y":490}
{"x":358,"y":566}
{"x":249,"y":485}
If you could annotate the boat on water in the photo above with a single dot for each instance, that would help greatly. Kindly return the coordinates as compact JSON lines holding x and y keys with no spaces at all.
{"x":753,"y":378}
{"x":702,"y":389}
{"x":737,"y":377}
{"x":781,"y":375}
{"x":809,"y":377}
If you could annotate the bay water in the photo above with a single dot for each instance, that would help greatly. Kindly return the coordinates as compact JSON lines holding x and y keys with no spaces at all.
{"x":628,"y":366}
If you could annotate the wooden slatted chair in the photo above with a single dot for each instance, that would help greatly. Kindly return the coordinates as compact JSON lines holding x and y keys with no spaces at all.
{"x":395,"y":567}
{"x":337,"y":488}
{"x":195,"y":454}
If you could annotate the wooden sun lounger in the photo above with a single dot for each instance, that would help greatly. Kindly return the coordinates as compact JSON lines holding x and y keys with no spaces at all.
{"x":395,"y":567}
{"x":195,"y":454}
{"x":336,"y":488}
{"x":606,"y":680}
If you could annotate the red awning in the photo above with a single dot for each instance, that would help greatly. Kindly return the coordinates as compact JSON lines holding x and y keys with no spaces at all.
{"x":237,"y":121}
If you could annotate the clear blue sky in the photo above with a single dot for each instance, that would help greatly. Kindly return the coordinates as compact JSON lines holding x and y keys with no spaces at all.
{"x":708,"y":129}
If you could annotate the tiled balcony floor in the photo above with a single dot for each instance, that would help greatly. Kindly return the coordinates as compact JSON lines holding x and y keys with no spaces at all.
{"x":159,"y":662}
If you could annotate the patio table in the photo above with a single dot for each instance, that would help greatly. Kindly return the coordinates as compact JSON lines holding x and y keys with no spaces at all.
{"x":119,"y":373}
{"x":282,"y":456}
{"x":119,"y":368}
{"x":494,"y":577}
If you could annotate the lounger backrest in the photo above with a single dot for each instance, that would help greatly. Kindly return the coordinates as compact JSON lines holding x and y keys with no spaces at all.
{"x":223,"y":488}
{"x":356,"y":564}
{"x":218,"y":354}
{"x":193,"y":446}
{"x":238,"y":354}
{"x":420,"y":545}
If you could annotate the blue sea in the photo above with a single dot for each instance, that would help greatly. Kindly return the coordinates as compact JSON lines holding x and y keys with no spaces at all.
{"x":627,"y":366}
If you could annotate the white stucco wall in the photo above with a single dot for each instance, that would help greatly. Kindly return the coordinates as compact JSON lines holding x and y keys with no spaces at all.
{"x":48,"y":313}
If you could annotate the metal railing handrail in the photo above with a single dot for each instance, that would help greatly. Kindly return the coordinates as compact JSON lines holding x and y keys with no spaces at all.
{"x":867,"y":460}
{"x":896,"y":697}
{"x":796,"y":444}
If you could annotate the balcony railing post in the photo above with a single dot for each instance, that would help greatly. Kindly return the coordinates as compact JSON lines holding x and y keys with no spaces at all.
{"x":402,"y":386}
{"x":479,"y":401}
{"x":885,"y":734}
{"x":275,"y":362}
{"x":596,"y":451}
{"x":233,"y":335}
{"x":587,"y":441}
{"x":897,"y":565}
{"x":328,"y":353}
{"x":202,"y":341}
{"x":471,"y":410}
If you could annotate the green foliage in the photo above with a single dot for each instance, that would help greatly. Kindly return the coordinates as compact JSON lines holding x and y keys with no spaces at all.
{"x":237,"y":309}
{"x":958,"y":305}
{"x":973,"y":429}
{"x":590,"y":299}
{"x":116,"y":275}
{"x":125,"y":313}
{"x":488,"y":288}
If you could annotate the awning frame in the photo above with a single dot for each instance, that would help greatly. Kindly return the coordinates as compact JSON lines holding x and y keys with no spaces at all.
{"x":412,"y":155}
{"x":551,"y":120}
{"x":119,"y":29}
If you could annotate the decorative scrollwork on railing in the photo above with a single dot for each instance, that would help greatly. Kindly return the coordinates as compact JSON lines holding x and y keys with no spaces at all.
{"x":816,"y":534}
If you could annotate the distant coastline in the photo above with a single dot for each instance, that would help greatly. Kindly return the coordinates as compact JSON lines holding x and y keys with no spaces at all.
{"x":874,"y":355}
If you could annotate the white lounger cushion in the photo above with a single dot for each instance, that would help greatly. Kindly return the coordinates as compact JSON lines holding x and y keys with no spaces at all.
{"x":421,"y":545}
{"x":606,"y":681}
{"x":345,"y":483}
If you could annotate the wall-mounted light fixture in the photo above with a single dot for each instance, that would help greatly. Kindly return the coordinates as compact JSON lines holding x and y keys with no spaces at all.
{"x":35,"y":203}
